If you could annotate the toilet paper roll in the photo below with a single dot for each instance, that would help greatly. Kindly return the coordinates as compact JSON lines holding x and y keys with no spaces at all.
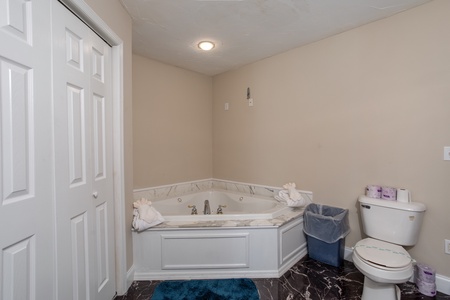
{"x":425,"y":273}
{"x":426,"y":288}
{"x":388,"y":193}
{"x":403,"y":195}
{"x":373,"y":191}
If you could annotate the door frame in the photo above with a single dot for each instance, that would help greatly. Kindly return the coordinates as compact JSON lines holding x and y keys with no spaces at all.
{"x":88,"y":16}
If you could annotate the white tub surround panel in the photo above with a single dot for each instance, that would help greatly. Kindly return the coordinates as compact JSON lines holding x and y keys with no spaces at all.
{"x":218,"y":252}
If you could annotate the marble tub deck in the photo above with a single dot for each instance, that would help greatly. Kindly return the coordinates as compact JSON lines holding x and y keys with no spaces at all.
{"x":308,"y":279}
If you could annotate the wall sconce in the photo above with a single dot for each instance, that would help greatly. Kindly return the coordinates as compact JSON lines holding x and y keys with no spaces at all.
{"x":249,"y":97}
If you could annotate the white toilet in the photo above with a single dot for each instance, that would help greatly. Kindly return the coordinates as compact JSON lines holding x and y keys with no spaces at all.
{"x":381,"y":257}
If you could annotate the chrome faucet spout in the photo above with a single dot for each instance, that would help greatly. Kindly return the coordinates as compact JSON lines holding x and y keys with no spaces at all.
{"x":207,"y":209}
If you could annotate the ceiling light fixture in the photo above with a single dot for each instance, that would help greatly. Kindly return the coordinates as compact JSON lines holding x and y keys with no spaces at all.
{"x":206,"y":45}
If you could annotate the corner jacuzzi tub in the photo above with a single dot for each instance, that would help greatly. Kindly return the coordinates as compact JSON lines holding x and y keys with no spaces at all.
{"x":234,"y":207}
{"x":255,"y":237}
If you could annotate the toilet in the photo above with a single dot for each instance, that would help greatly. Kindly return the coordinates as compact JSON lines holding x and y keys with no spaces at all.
{"x":381,"y":258}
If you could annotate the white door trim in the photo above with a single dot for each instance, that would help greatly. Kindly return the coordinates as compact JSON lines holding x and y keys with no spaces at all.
{"x":85,"y":13}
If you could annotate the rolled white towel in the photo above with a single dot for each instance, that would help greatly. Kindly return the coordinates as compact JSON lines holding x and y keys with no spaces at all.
{"x":144,"y":208}
{"x":140,"y":224}
{"x":284,"y":196}
{"x":293,"y":193}
{"x":145,"y":216}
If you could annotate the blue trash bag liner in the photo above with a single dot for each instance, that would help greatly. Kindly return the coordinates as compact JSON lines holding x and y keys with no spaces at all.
{"x":326,"y":223}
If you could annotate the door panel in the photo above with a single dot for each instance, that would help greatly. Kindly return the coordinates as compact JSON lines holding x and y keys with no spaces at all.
{"x":76,"y":128}
{"x":102,"y":166}
{"x":83,"y":151}
{"x":26,"y":238}
{"x":80,"y":263}
{"x":17,"y":133}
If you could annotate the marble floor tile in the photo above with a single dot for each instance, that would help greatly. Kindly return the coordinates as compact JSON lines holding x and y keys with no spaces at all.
{"x":307,"y":280}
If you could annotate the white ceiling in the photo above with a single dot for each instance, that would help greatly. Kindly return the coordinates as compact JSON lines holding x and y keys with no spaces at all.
{"x":244,"y":31}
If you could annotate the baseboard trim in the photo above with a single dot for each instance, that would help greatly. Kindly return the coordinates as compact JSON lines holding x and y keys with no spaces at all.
{"x":348,"y":254}
{"x":442,"y":282}
{"x":130,"y":276}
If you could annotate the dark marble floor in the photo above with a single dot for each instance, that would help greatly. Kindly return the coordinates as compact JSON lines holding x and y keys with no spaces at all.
{"x":308,"y":279}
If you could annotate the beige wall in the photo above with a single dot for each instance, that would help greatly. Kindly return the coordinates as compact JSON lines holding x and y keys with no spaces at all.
{"x":369,"y":106}
{"x":172,"y":124}
{"x":119,"y":21}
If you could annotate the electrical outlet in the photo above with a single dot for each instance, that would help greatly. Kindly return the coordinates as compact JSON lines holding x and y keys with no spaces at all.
{"x":446,"y":153}
{"x":447,"y":246}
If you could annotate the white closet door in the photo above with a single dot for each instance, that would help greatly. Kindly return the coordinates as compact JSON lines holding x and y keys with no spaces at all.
{"x":83,"y":153}
{"x":26,"y":239}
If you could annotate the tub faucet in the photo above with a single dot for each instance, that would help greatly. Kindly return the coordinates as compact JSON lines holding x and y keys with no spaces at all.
{"x":207,"y":210}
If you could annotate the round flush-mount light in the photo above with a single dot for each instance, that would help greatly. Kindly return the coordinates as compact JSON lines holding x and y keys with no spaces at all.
{"x":206,"y":45}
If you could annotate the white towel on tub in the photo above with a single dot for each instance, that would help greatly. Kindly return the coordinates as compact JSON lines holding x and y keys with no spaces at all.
{"x":293,"y":193}
{"x":145,"y":216}
{"x":283,"y":196}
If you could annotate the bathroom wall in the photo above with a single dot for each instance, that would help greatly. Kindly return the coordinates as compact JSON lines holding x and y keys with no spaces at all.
{"x":172,"y":124}
{"x":369,"y":106}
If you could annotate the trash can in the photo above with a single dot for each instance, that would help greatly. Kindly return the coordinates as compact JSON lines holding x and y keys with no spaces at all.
{"x":326,"y":228}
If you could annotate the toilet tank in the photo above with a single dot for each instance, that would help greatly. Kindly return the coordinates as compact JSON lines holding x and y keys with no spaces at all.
{"x":391,"y":221}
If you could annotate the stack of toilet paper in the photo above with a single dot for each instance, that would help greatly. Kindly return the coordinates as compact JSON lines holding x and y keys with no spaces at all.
{"x":388,"y":193}
{"x":425,"y":278}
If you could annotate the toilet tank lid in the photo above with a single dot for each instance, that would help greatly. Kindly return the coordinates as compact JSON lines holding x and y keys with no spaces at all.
{"x":411,"y":206}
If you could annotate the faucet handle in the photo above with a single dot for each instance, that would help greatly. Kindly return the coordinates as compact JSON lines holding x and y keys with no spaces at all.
{"x":219,"y":209}
{"x":194,"y":209}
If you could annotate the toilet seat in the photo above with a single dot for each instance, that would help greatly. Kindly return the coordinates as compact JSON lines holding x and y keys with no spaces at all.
{"x":383,"y":255}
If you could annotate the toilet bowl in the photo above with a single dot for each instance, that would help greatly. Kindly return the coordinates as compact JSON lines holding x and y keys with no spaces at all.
{"x":382,"y":261}
{"x":383,"y":265}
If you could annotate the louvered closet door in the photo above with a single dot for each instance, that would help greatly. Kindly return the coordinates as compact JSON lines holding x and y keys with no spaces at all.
{"x":83,"y":150}
{"x":26,"y":240}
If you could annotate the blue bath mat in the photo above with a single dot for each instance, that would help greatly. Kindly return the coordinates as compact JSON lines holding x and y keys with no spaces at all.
{"x":220,"y":289}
